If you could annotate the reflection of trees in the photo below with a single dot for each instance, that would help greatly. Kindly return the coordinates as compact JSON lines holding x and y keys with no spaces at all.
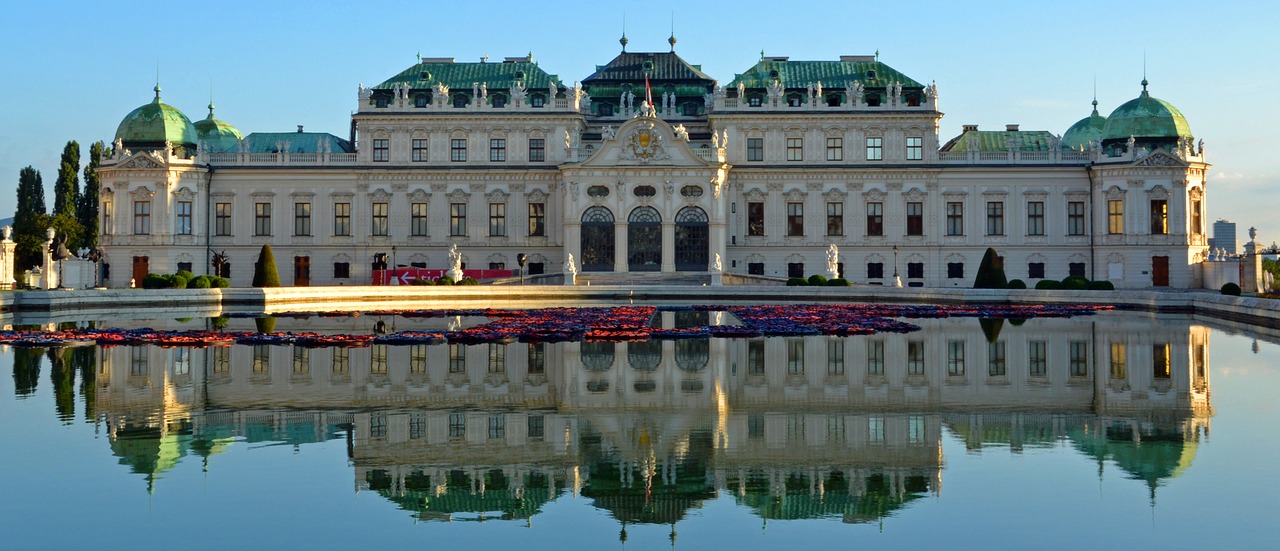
{"x":26,"y":370}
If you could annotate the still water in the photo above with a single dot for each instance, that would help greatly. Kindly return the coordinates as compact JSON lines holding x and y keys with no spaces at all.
{"x":1121,"y":430}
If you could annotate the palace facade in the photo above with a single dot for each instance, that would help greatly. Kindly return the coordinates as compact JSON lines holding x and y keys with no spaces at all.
{"x":761,"y":174}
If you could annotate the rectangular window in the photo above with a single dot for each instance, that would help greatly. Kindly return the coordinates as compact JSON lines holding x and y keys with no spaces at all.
{"x":996,"y":359}
{"x":497,"y":358}
{"x":755,"y":357}
{"x":378,"y":359}
{"x":537,"y":150}
{"x":875,"y":270}
{"x":875,"y":149}
{"x":875,"y":357}
{"x":262,"y":219}
{"x":755,"y":219}
{"x":457,"y":358}
{"x":381,"y":150}
{"x":955,"y":218}
{"x":915,"y":429}
{"x":107,"y":209}
{"x":341,"y":364}
{"x":182,"y":218}
{"x":835,"y":149}
{"x":497,"y":219}
{"x":420,"y":151}
{"x":457,"y":426}
{"x":342,"y":219}
{"x":955,"y":358}
{"x":915,"y":149}
{"x":418,"y":219}
{"x":1160,"y":361}
{"x":875,"y":429}
{"x":835,"y":356}
{"x":915,"y":357}
{"x":955,"y":270}
{"x":795,"y":149}
{"x":795,"y":357}
{"x":835,"y":218}
{"x":995,"y":218}
{"x":418,"y":359}
{"x":1159,"y":216}
{"x":795,"y":269}
{"x":755,"y":149}
{"x":1035,"y":218}
{"x":1035,"y":270}
{"x":795,"y":219}
{"x":302,"y":219}
{"x":875,"y":219}
{"x":378,"y":425}
{"x":537,"y":219}
{"x":1196,"y":217}
{"x":1119,"y":369}
{"x":497,"y":150}
{"x":261,"y":358}
{"x":457,"y":150}
{"x":915,"y":270}
{"x":915,"y":218}
{"x":417,"y":426}
{"x":457,"y":219}
{"x":1075,"y":218}
{"x":1115,"y":216}
{"x":1037,"y":359}
{"x":537,"y":358}
{"x":142,"y":217}
{"x":755,"y":268}
{"x":341,"y":270}
{"x":1075,"y":269}
{"x":1079,"y":359}
{"x":222,"y":219}
{"x":379,"y":213}
{"x":537,"y":428}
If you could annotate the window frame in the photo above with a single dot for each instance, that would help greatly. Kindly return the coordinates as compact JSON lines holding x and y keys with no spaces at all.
{"x":262,"y":219}
{"x":1075,"y":217}
{"x":222,"y":219}
{"x":537,"y":150}
{"x":795,"y":219}
{"x":995,"y":218}
{"x":497,"y":150}
{"x":915,"y":148}
{"x":418,"y":221}
{"x":381,"y":150}
{"x":182,"y":218}
{"x":537,"y":219}
{"x":915,"y":218}
{"x":379,"y":218}
{"x":420,"y":150}
{"x":497,"y":219}
{"x":755,"y":219}
{"x":835,"y":148}
{"x":457,"y":150}
{"x":875,"y":148}
{"x":1159,"y":217}
{"x":457,"y":219}
{"x":341,"y":219}
{"x":875,"y":219}
{"x":1115,"y":216}
{"x":955,"y":218}
{"x":755,"y":149}
{"x":835,"y":218}
{"x":302,"y":219}
{"x":1035,"y":218}
{"x":795,"y":149}
{"x":142,"y":217}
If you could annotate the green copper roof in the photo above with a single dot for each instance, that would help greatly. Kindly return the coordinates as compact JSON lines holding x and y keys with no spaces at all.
{"x":459,"y":76}
{"x":832,"y":74}
{"x":999,"y":140}
{"x":1146,"y":117}
{"x":217,"y":136}
{"x":1088,"y":129}
{"x":295,"y":142}
{"x":631,"y":67}
{"x":156,"y":123}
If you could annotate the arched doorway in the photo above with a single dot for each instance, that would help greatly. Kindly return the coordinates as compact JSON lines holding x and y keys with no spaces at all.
{"x":692,"y":240}
{"x":644,"y":240}
{"x":597,"y":240}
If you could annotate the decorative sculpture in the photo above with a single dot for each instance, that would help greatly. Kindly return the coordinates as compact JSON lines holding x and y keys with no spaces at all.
{"x":717,"y":267}
{"x":833,"y":261}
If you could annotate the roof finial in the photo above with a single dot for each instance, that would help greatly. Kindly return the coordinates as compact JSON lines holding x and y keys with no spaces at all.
{"x":672,"y":40}
{"x":419,"y":57}
{"x":877,"y":54}
{"x":623,"y":40}
{"x":1144,"y":73}
{"x":157,"y":88}
{"x":1095,"y":94}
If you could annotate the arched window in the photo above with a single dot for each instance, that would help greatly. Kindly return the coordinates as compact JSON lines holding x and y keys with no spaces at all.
{"x":644,"y":240}
{"x":597,"y":240}
{"x":692,"y":354}
{"x":644,"y":355}
{"x":597,"y":357}
{"x":692,"y":239}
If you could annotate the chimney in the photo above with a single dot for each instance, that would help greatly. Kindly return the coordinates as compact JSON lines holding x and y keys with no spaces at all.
{"x":1010,"y":128}
{"x":299,"y":128}
{"x":969,"y":128}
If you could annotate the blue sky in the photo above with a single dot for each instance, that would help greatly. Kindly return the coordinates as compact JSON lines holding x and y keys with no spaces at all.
{"x":74,"y":69}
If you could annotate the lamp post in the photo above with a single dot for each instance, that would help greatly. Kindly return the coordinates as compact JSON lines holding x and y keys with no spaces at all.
{"x":521,"y":260}
{"x":897,"y":280}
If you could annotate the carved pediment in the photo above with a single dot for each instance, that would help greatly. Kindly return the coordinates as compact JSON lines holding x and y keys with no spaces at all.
{"x":755,"y":195}
{"x":537,"y":196}
{"x":184,"y":194}
{"x":458,"y":195}
{"x":795,"y":195}
{"x":914,"y":195}
{"x":873,"y":195}
{"x":1160,"y":158}
{"x":141,"y":161}
{"x":142,"y":193}
{"x":1114,"y":192}
{"x":1158,"y":192}
{"x":835,"y":195}
{"x":496,"y":196}
{"x":1196,"y":193}
{"x":419,"y":196}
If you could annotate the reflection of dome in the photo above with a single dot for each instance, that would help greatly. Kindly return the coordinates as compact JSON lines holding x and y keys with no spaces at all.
{"x":151,"y":451}
{"x":154,"y":124}
{"x":217,"y":136}
{"x":1084,"y":131}
{"x":879,"y":499}
{"x":500,"y":494}
{"x":1159,"y":454}
{"x":1148,"y":120}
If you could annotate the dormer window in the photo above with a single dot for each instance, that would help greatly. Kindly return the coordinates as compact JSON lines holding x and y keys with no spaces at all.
{"x":691,"y":109}
{"x":459,"y":101}
{"x":420,"y":100}
{"x":873,"y":99}
{"x":604,"y":109}
{"x":519,"y":75}
{"x":773,"y":74}
{"x":793,"y":100}
{"x":537,"y":100}
{"x":833,"y":100}
{"x":754,"y":101}
{"x":871,"y":74}
{"x":381,"y":102}
{"x":499,"y":100}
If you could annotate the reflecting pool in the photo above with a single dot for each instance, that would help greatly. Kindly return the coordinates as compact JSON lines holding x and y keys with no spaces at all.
{"x":1089,"y":432}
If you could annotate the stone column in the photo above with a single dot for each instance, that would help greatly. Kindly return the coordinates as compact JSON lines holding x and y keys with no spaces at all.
{"x":49,"y":277}
{"x":668,"y":246}
{"x":1251,"y":265}
{"x":620,"y":245}
{"x":7,"y":247}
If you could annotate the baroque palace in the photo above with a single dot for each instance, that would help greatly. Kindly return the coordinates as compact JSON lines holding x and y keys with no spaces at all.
{"x":651,"y":165}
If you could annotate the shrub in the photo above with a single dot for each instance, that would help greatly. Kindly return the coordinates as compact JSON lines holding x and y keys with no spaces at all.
{"x":176,"y":281}
{"x":199,"y":282}
{"x":1231,"y":289}
{"x":219,"y":322}
{"x":155,"y":281}
{"x":797,"y":282}
{"x":838,"y":282}
{"x":468,"y":281}
{"x":265,"y":324}
{"x":219,"y":282}
{"x":420,"y":282}
{"x":186,"y":274}
{"x":1102,"y":285}
{"x":1017,"y":284}
{"x":1075,"y":283}
{"x":991,"y":272}
{"x":817,"y":279}
{"x":264,"y":270}
{"x":444,"y":280}
{"x":1048,"y":285}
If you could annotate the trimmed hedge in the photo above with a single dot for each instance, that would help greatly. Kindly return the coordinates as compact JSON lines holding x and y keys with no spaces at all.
{"x":817,"y":279}
{"x":991,"y":272}
{"x":264,"y":270}
{"x":838,"y":282}
{"x":1102,"y":285}
{"x":1017,"y":284}
{"x":199,"y":282}
{"x":797,"y":282}
{"x":1231,"y":289}
{"x":1048,"y":285}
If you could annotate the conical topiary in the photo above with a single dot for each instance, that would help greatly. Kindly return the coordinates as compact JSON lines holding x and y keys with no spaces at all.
{"x":991,"y":272}
{"x":264,"y":270}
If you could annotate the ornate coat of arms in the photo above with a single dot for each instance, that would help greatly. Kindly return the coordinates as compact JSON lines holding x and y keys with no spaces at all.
{"x":644,"y":144}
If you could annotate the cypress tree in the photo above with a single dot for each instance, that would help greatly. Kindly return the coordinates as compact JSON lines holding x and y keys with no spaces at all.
{"x":264,"y":270}
{"x":66,"y":189}
{"x":28,"y":220}
{"x":991,"y":272}
{"x":87,"y":203}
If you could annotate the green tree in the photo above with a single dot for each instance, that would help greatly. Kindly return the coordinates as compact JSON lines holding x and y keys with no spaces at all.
{"x":87,"y":203}
{"x":66,"y":189}
{"x":264,"y":270}
{"x":991,"y":272}
{"x":27,"y":231}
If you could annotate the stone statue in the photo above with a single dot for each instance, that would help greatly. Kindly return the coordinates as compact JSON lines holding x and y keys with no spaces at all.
{"x":568,"y":140}
{"x":7,"y":232}
{"x":833,"y":260}
{"x":455,"y":258}
{"x":717,"y":267}
{"x":1201,"y":147}
{"x":724,"y":138}
{"x":742,"y":91}
{"x":1253,"y":234}
{"x":364,"y":93}
{"x":709,"y":100}
{"x":715,"y":140}
{"x":484,"y":90}
{"x":442,"y":91}
{"x":609,"y":132}
{"x":117,"y":147}
{"x":59,"y":249}
{"x":776,"y":89}
{"x":1129,"y":144}
{"x":681,"y":132}
{"x":552,"y":90}
{"x":647,"y":110}
{"x":569,"y":267}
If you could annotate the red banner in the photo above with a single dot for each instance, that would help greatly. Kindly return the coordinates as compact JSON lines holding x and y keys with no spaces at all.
{"x":405,"y":276}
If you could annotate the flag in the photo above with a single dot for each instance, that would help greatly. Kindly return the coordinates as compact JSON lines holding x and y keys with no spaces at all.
{"x":648,"y":92}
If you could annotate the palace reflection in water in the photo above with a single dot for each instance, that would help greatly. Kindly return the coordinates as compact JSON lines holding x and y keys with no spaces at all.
{"x":848,"y":428}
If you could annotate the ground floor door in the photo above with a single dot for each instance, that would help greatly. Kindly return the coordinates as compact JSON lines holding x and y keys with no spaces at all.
{"x":597,"y":240}
{"x":301,"y":271}
{"x":644,"y":240}
{"x":692,"y":240}
{"x":1160,"y":271}
{"x":141,"y":268}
